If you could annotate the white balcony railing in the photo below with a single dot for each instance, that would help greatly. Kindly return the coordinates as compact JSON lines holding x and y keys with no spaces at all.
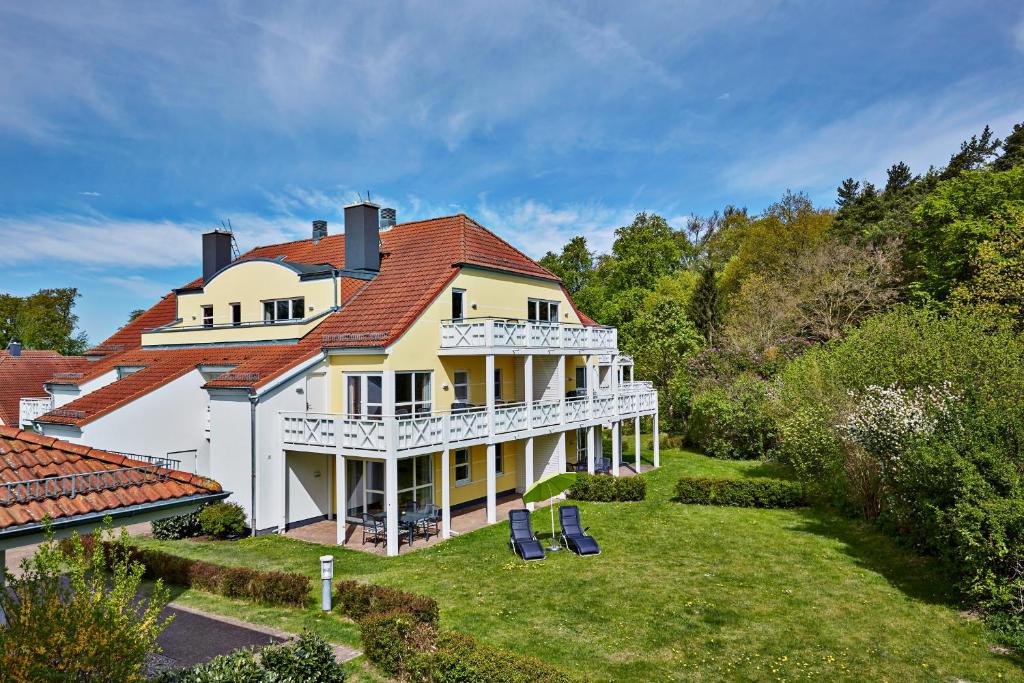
{"x":490,"y":333}
{"x":31,"y":408}
{"x":424,"y":433}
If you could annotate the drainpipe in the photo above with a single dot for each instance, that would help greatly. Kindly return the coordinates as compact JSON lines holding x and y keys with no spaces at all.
{"x":253,"y":400}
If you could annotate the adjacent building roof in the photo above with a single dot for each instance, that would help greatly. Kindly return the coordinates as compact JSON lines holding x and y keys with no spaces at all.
{"x":83,"y":483}
{"x":23,"y":376}
{"x":418,"y":260}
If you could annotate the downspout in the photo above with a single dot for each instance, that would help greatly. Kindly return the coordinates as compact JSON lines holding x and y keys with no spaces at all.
{"x":253,"y":400}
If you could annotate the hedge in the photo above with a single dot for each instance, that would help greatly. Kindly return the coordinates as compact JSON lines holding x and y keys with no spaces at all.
{"x":267,"y":588}
{"x":400,"y":636}
{"x":757,"y":493}
{"x":605,"y":488}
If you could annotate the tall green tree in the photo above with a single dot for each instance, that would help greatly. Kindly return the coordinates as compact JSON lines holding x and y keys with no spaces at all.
{"x":1013,"y":150}
{"x":706,"y":304}
{"x":643,"y":252}
{"x":575,"y":265}
{"x":44,"y":320}
{"x":973,"y":154}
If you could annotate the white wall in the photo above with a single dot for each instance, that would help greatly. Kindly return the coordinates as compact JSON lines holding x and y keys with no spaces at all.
{"x":169,"y":418}
{"x":308,"y":482}
{"x":230,"y":454}
{"x":545,"y":378}
{"x":545,"y":456}
{"x":66,"y":393}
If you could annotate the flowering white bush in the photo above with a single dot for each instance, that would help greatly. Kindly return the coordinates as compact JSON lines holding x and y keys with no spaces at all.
{"x":885,"y":420}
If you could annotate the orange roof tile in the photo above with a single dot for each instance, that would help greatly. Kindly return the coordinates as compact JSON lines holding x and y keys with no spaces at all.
{"x":27,"y":455}
{"x":23,"y":377}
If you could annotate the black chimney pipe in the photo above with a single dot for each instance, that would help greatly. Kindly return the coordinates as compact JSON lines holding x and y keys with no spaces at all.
{"x":216,"y":252}
{"x":362,"y":237}
{"x":319,"y":230}
{"x":14,"y":348}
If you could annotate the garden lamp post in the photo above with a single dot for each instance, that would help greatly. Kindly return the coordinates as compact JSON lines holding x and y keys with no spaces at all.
{"x":326,"y":574}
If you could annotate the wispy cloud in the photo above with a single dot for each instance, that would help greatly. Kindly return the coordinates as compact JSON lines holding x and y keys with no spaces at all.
{"x":89,"y":194}
{"x":1018,"y":34}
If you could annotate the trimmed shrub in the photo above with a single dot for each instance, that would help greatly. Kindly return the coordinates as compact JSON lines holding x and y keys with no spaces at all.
{"x":360,"y":600}
{"x":755,"y":493}
{"x":267,"y":588}
{"x":460,"y":658}
{"x":386,"y":640}
{"x":604,"y":488}
{"x":222,"y":520}
{"x":309,"y":660}
{"x":177,"y":527}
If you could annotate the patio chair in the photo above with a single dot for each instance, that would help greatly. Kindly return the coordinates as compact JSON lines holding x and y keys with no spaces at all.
{"x":374,"y":529}
{"x":574,"y":536}
{"x":521,"y":537}
{"x":602,"y":466}
{"x":431,"y":521}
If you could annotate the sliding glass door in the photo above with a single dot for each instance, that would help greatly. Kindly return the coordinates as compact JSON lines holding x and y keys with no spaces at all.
{"x":365,"y":482}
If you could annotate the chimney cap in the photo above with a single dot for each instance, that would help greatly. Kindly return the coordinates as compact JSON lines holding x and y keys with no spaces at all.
{"x":363,"y":202}
{"x":14,"y":348}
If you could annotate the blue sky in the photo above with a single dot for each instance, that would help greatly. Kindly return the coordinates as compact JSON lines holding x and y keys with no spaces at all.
{"x":126,"y":129}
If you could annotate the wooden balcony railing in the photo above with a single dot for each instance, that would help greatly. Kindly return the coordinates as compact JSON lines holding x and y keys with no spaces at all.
{"x":498,"y":334}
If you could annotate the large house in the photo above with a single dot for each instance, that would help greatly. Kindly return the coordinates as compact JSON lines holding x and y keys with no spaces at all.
{"x":346,"y":374}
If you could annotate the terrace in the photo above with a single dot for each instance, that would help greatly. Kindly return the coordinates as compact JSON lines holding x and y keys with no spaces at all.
{"x":503,"y":335}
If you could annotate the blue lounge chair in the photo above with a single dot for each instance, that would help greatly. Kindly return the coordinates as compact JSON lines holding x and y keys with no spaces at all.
{"x":574,"y":536}
{"x":521,"y":537}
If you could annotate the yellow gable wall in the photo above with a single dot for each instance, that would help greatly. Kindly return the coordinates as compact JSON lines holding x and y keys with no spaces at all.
{"x":495,"y":295}
{"x":249,"y":283}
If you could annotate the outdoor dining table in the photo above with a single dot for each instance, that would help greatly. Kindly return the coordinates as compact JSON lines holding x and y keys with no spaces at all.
{"x":411,"y":520}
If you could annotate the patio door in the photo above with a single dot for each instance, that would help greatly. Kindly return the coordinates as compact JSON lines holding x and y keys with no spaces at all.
{"x":364,"y":394}
{"x":365,"y":482}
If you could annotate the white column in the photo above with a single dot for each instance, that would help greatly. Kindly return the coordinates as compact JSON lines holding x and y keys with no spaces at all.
{"x":528,"y":394}
{"x":657,"y":446}
{"x":636,"y":441}
{"x":446,"y":495}
{"x":591,"y":448}
{"x":341,"y":494}
{"x":329,"y":461}
{"x":528,"y":463}
{"x":489,"y":384}
{"x":560,"y":384}
{"x":492,"y":486}
{"x":282,"y":523}
{"x":560,"y":452}
{"x":391,"y":502}
{"x":616,"y":447}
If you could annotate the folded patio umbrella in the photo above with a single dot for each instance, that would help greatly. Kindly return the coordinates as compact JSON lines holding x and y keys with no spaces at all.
{"x":547,"y":488}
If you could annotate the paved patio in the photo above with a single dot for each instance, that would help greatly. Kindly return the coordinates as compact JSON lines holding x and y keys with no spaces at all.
{"x":463,"y":521}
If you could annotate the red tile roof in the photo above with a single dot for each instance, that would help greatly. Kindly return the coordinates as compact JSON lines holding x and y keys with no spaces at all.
{"x":418,"y":260}
{"x":23,"y":377}
{"x":27,"y":455}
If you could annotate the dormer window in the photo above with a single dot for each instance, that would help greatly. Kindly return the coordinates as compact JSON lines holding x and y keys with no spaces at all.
{"x":284,"y":309}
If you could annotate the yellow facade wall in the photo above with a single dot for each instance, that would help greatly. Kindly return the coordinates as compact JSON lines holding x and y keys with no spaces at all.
{"x":249,"y":283}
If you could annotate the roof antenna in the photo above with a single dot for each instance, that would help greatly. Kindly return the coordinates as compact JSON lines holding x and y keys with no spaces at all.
{"x":226,"y":225}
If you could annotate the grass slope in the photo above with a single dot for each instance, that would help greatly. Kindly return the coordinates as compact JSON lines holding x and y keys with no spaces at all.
{"x":679,"y":592}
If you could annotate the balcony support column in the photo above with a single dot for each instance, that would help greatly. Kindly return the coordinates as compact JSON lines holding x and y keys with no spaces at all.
{"x":560,"y":384}
{"x":528,"y":392}
{"x":616,"y":447}
{"x":528,"y":466}
{"x":636,"y":441}
{"x":341,"y":496}
{"x":391,"y":502}
{"x":446,"y":495}
{"x":492,"y":486}
{"x":657,"y":445}
{"x":489,"y":384}
{"x":560,"y":453}
{"x":591,"y":448}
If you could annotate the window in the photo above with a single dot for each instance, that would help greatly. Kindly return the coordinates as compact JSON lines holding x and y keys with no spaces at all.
{"x":461,"y":386}
{"x":364,"y":395}
{"x":499,"y":459}
{"x":462,"y":473}
{"x":538,"y":310}
{"x":497,"y":384}
{"x":412,"y":393}
{"x":284,"y":309}
{"x":458,"y":303}
{"x":415,"y":480}
{"x":236,"y":314}
{"x":207,"y":316}
{"x":581,"y":380}
{"x":581,"y":444}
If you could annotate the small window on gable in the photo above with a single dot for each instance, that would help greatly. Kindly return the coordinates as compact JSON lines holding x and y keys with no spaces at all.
{"x":458,"y":304}
{"x":207,"y":316}
{"x":539,"y":310}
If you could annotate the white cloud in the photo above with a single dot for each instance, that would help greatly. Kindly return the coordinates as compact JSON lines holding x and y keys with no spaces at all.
{"x":922,"y":131}
{"x":89,"y":194}
{"x":1018,"y":34}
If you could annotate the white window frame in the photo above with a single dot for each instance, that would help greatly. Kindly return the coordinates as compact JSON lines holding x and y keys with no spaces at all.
{"x":535,"y":306}
{"x":371,"y":410}
{"x":207,"y":313}
{"x":236,"y":313}
{"x":416,"y":406}
{"x":462,"y":481}
{"x":456,"y":384}
{"x":271,"y":315}
{"x":497,"y":379}
{"x":417,"y":486}
{"x":499,"y":459}
{"x":581,"y":443}
{"x":461,"y":295}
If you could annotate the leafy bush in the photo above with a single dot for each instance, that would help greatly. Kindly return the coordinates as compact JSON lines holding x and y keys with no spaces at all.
{"x":359,"y":600}
{"x":308,"y":660}
{"x":733,"y":422}
{"x":222,"y":520}
{"x":460,"y":658}
{"x":756,"y":493}
{"x":386,"y":640}
{"x":267,"y":588}
{"x":179,"y":526}
{"x":71,"y":620}
{"x":605,"y":488}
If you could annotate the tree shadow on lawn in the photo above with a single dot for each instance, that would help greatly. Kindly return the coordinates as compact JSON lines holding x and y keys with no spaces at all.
{"x":918,"y":576}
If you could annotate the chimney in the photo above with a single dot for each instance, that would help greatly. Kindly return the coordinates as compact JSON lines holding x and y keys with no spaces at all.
{"x":216,"y":252}
{"x":362,"y":236}
{"x":14,"y":348}
{"x":388,"y":218}
{"x":319,"y":230}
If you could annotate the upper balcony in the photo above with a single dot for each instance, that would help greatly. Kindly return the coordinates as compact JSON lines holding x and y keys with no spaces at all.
{"x":470,"y":336}
{"x":31,"y":408}
{"x":407,"y":435}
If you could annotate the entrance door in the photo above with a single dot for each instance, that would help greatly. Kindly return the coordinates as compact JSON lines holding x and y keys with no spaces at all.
{"x":315,"y":395}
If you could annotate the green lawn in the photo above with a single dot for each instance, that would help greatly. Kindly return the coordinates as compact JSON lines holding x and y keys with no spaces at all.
{"x":679,"y":592}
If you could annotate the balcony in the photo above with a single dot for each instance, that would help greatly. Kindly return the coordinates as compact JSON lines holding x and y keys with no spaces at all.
{"x":408,"y":436}
{"x":499,"y":335}
{"x":31,"y":408}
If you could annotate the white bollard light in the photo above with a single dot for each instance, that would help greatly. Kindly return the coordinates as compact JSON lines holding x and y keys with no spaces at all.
{"x":326,"y":574}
